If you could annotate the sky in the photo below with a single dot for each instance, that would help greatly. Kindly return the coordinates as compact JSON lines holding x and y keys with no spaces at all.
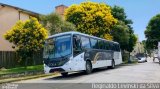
{"x":139,"y":11}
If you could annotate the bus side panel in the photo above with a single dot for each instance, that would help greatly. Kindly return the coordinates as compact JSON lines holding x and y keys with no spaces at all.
{"x":77,"y":63}
{"x":99,"y":58}
{"x":117,"y":58}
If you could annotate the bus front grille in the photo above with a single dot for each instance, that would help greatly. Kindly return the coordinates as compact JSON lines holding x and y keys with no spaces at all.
{"x":57,"y":69}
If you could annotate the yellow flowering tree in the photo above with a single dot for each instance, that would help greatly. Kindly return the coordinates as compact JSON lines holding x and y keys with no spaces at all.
{"x":27,"y":37}
{"x":91,"y":18}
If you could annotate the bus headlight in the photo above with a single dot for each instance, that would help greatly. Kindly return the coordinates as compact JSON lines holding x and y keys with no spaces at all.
{"x":45,"y":65}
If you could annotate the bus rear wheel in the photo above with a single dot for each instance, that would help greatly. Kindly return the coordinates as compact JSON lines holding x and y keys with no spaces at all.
{"x":64,"y":74}
{"x":88,"y":67}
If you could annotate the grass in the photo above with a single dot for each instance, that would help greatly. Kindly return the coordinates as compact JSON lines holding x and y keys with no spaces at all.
{"x":132,"y":62}
{"x":25,"y":78}
{"x":21,"y":69}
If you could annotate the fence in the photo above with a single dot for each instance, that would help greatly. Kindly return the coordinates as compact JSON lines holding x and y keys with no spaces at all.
{"x":9,"y":59}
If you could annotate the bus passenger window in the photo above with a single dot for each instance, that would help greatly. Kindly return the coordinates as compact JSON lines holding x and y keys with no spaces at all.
{"x":94,"y":43}
{"x":118,"y":48}
{"x":76,"y":45}
{"x":101,"y":44}
{"x":107,"y":45}
{"x":85,"y":42}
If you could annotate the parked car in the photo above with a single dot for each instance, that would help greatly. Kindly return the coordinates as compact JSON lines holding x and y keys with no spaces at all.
{"x":142,"y":59}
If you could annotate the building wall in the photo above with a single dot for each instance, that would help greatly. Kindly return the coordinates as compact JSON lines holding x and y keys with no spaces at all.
{"x":8,"y":17}
{"x":61,"y":9}
{"x":23,"y":16}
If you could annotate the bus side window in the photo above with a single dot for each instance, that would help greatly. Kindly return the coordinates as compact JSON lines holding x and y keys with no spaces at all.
{"x":112,"y":46}
{"x":94,"y":43}
{"x":107,"y":45}
{"x":85,"y":42}
{"x":118,"y":48}
{"x":76,"y":45}
{"x":115,"y":47}
{"x":100,"y":44}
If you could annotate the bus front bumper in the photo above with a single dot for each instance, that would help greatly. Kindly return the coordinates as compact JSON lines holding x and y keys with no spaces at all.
{"x":52,"y":70}
{"x":60,"y":69}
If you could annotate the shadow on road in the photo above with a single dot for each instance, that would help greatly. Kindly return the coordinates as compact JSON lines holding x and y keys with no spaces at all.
{"x":80,"y":74}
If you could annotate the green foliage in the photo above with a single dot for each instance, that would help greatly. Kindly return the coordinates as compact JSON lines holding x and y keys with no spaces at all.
{"x":119,"y":13}
{"x":122,"y":31}
{"x":21,"y":69}
{"x":152,"y":32}
{"x":121,"y":34}
{"x":55,"y":23}
{"x":132,"y":42}
{"x":125,"y":56}
{"x":145,"y":47}
{"x":27,"y":37}
{"x":67,"y":26}
{"x":91,"y":18}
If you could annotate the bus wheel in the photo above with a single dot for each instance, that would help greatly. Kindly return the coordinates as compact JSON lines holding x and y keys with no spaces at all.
{"x":113,"y":65}
{"x":88,"y":67}
{"x":64,"y":74}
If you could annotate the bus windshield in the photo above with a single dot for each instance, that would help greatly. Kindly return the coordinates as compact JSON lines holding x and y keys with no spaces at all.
{"x":57,"y":47}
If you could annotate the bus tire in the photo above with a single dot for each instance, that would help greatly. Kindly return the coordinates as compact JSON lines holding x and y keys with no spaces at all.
{"x":64,"y":74}
{"x":88,"y":67}
{"x":112,"y":65}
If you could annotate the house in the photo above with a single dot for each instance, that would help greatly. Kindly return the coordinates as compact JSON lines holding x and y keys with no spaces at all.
{"x":60,"y":9}
{"x":9,"y":15}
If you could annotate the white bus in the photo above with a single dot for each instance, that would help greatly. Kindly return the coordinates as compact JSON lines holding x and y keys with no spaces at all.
{"x":75,"y":51}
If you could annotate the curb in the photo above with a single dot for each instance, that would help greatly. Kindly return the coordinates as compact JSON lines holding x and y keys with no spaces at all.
{"x":25,"y":78}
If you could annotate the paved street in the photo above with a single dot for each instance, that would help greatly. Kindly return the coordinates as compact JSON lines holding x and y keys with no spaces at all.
{"x":133,"y":73}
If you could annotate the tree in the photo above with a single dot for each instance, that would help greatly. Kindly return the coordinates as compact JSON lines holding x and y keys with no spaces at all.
{"x":132,"y":42}
{"x":122,"y":31}
{"x":119,"y":13}
{"x":152,"y":32}
{"x":121,"y":34}
{"x":67,"y":26}
{"x":27,"y":37}
{"x":91,"y":18}
{"x":55,"y":23}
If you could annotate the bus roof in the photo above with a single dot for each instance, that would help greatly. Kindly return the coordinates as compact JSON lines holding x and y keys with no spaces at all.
{"x":75,"y":32}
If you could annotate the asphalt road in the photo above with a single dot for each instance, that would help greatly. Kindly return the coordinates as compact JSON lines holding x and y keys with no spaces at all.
{"x":132,"y":73}
{"x":148,"y":72}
